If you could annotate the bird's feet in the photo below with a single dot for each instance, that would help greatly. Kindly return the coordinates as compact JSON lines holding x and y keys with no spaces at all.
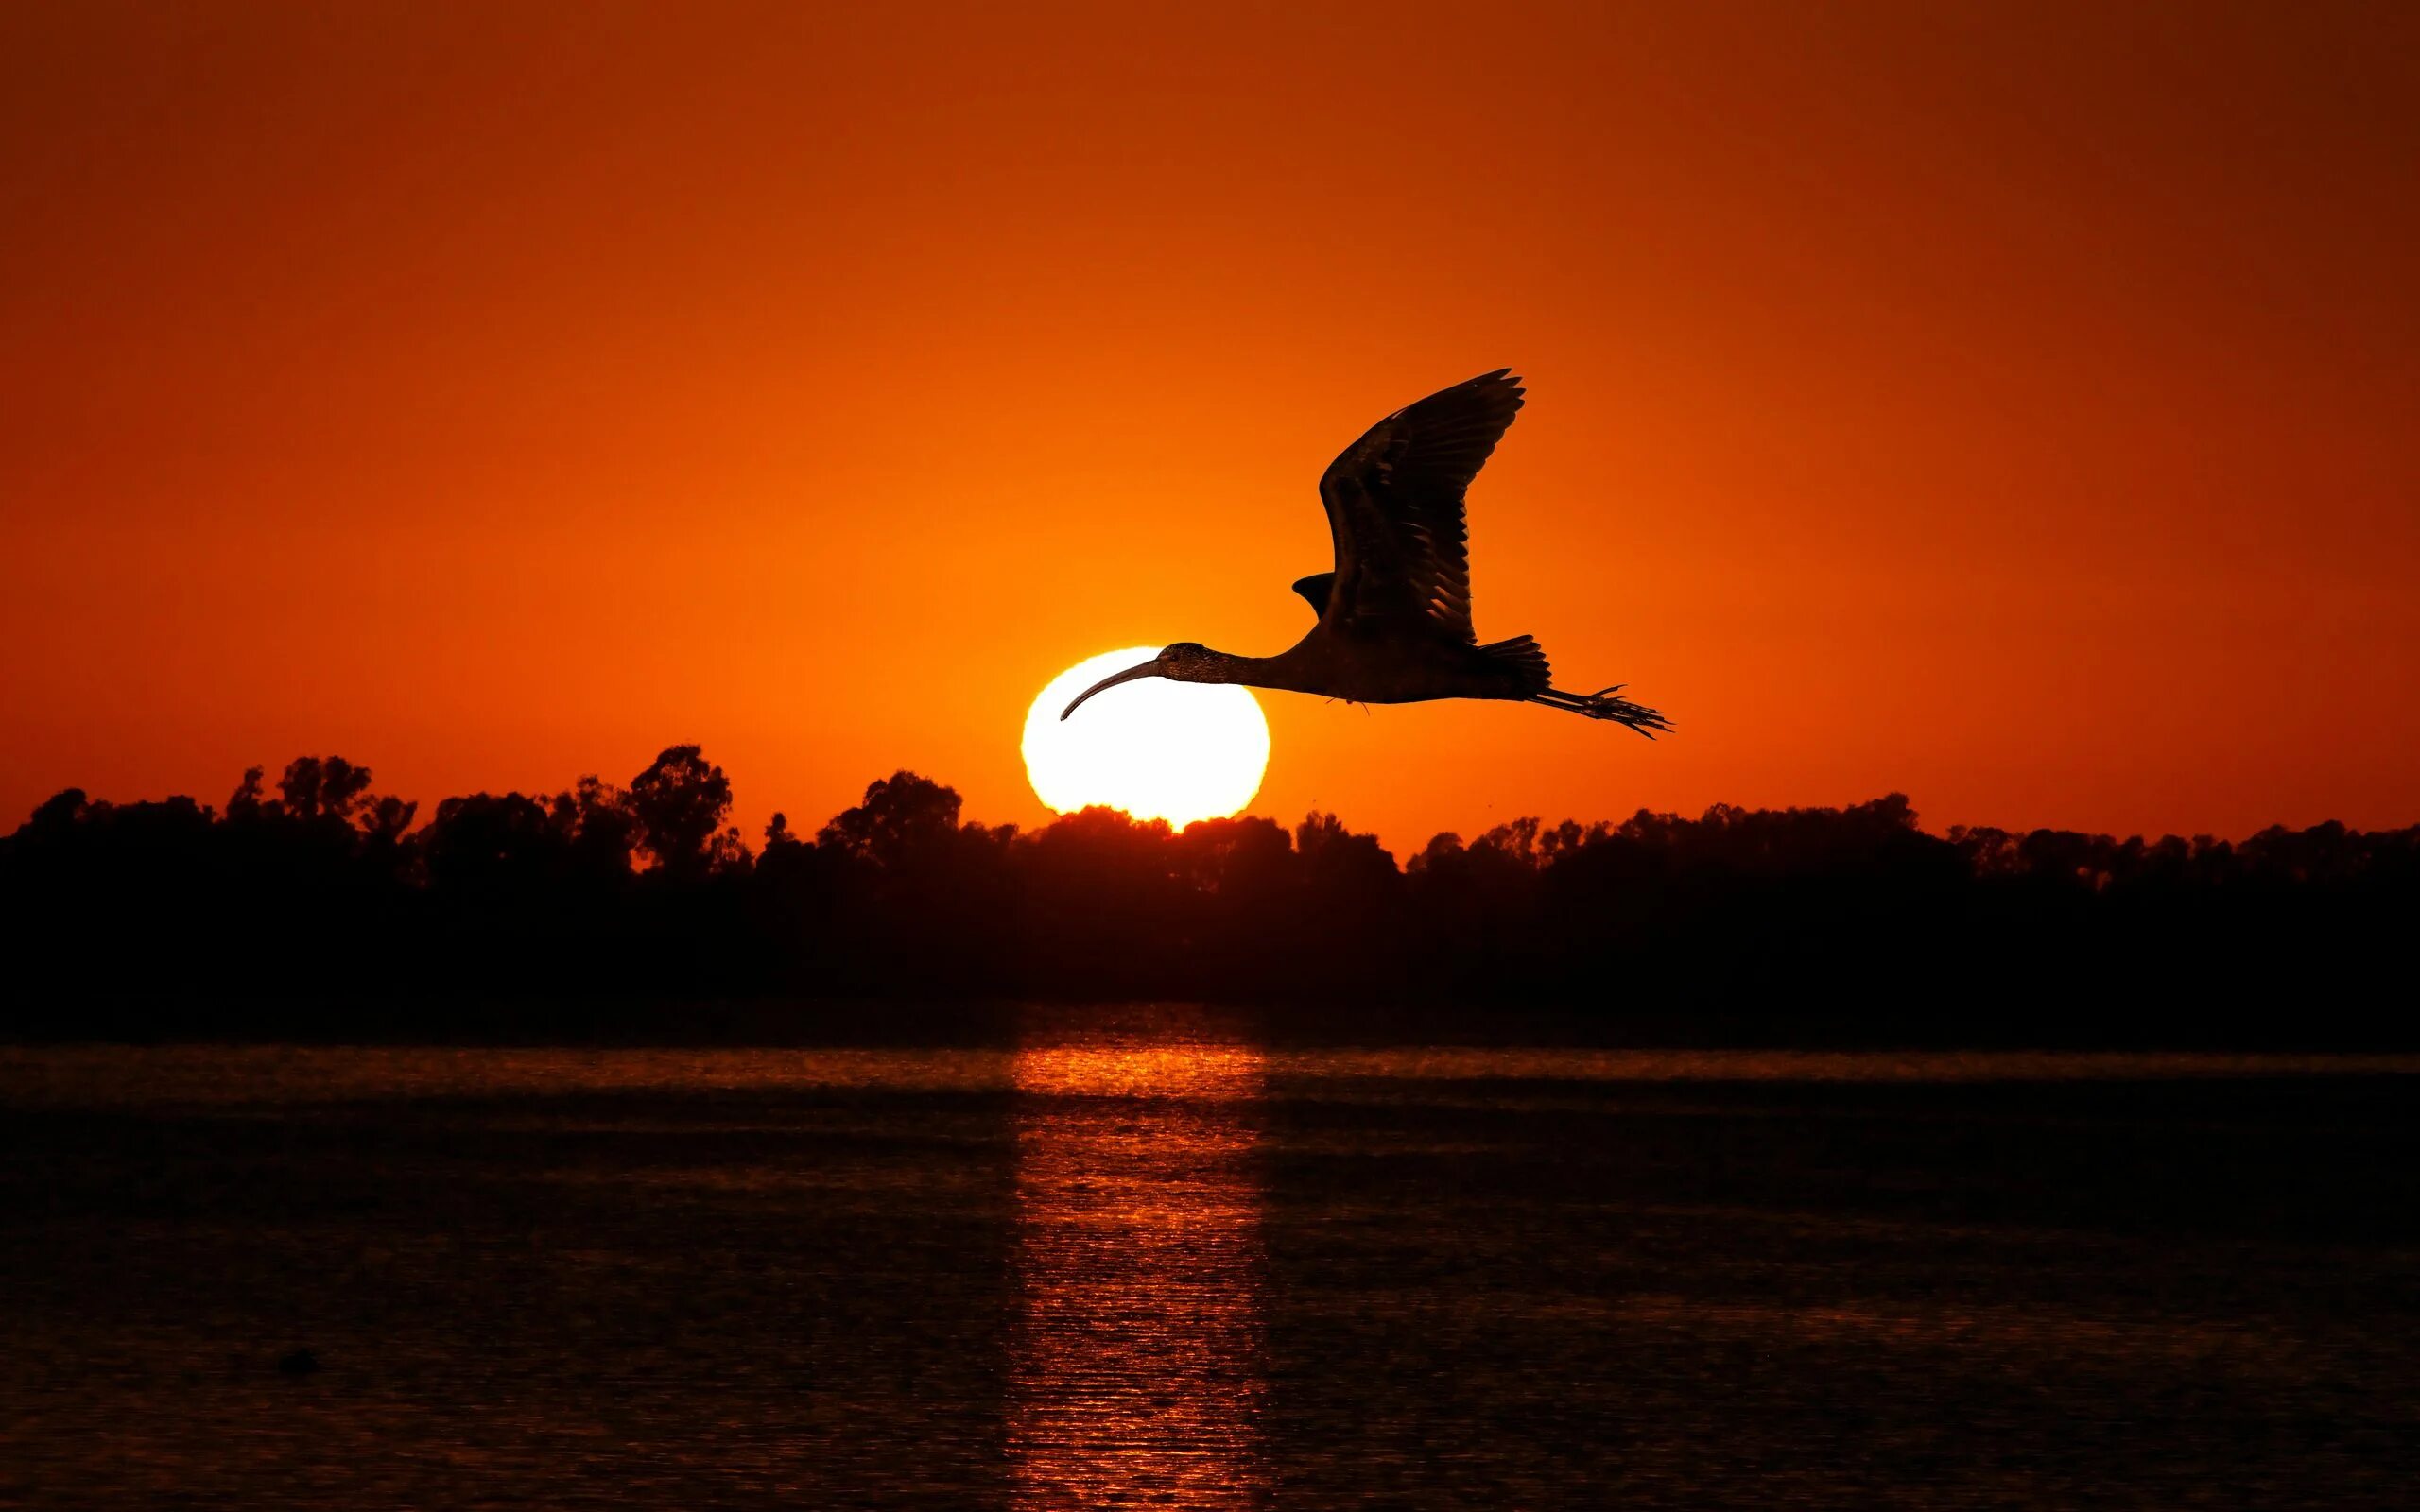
{"x":1607,"y":703}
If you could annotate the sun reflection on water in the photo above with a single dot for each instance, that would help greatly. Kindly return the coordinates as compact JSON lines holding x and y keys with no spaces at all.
{"x":1138,"y":1369}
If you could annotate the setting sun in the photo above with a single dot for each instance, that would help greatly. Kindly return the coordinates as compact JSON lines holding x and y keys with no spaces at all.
{"x":1160,"y":750}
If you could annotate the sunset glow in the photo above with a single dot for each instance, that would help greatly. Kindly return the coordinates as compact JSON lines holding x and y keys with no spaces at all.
{"x":1158,"y":750}
{"x":2007,"y":409}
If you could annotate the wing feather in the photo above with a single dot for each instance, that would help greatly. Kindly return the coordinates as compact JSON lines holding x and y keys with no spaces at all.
{"x":1394,"y":506}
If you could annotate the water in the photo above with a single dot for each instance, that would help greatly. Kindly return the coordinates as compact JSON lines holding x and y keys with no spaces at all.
{"x":1146,"y":1260}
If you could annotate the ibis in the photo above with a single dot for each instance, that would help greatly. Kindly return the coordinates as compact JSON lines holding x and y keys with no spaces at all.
{"x":1394,"y":613}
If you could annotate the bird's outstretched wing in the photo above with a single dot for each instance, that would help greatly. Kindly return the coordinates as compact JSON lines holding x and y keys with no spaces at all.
{"x":1395,"y":504}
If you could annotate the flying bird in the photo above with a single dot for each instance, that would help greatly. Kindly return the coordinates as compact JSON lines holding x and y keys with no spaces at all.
{"x":1394,"y":622}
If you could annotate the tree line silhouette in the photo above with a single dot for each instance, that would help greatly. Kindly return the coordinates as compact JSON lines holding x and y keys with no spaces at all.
{"x":180,"y":917}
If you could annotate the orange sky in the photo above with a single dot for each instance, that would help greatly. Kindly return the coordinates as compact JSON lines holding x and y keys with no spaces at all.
{"x":2017,"y":412}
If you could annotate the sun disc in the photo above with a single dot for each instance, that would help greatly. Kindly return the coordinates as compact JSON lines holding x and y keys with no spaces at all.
{"x":1178,"y":752}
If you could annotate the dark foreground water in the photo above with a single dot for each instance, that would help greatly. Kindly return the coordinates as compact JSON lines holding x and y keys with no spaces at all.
{"x":1143,"y":1261}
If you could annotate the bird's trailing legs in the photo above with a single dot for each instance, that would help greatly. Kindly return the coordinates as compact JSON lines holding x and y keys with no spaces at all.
{"x":1606,"y":703}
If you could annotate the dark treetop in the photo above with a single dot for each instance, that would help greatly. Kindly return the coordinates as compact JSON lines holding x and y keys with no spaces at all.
{"x":178,"y":917}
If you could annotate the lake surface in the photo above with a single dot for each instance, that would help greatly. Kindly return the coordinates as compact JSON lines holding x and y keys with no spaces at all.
{"x":1144,"y":1259}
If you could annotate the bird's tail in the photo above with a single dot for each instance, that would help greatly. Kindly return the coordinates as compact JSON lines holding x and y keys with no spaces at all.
{"x":1606,"y":703}
{"x":1520,"y":661}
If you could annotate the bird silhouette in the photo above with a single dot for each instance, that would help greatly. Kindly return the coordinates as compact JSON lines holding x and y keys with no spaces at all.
{"x":1394,"y":622}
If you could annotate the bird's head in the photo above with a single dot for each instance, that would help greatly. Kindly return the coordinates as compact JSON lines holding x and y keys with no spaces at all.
{"x":1190,"y":662}
{"x":1185,"y":661}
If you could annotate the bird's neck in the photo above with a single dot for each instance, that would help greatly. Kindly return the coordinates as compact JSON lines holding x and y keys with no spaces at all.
{"x":1265,"y":672}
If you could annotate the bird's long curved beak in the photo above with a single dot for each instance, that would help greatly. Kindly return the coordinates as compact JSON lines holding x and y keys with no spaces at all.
{"x":1149,"y":669}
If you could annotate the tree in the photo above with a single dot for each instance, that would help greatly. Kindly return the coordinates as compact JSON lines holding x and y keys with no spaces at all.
{"x":315,"y":787}
{"x":484,"y":841}
{"x":595,"y":819}
{"x":904,"y":816}
{"x":680,"y":802}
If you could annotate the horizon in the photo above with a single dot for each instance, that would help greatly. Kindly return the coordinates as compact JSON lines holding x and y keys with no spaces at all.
{"x":802,"y":826}
{"x":646,"y":889}
{"x":2008,"y":408}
